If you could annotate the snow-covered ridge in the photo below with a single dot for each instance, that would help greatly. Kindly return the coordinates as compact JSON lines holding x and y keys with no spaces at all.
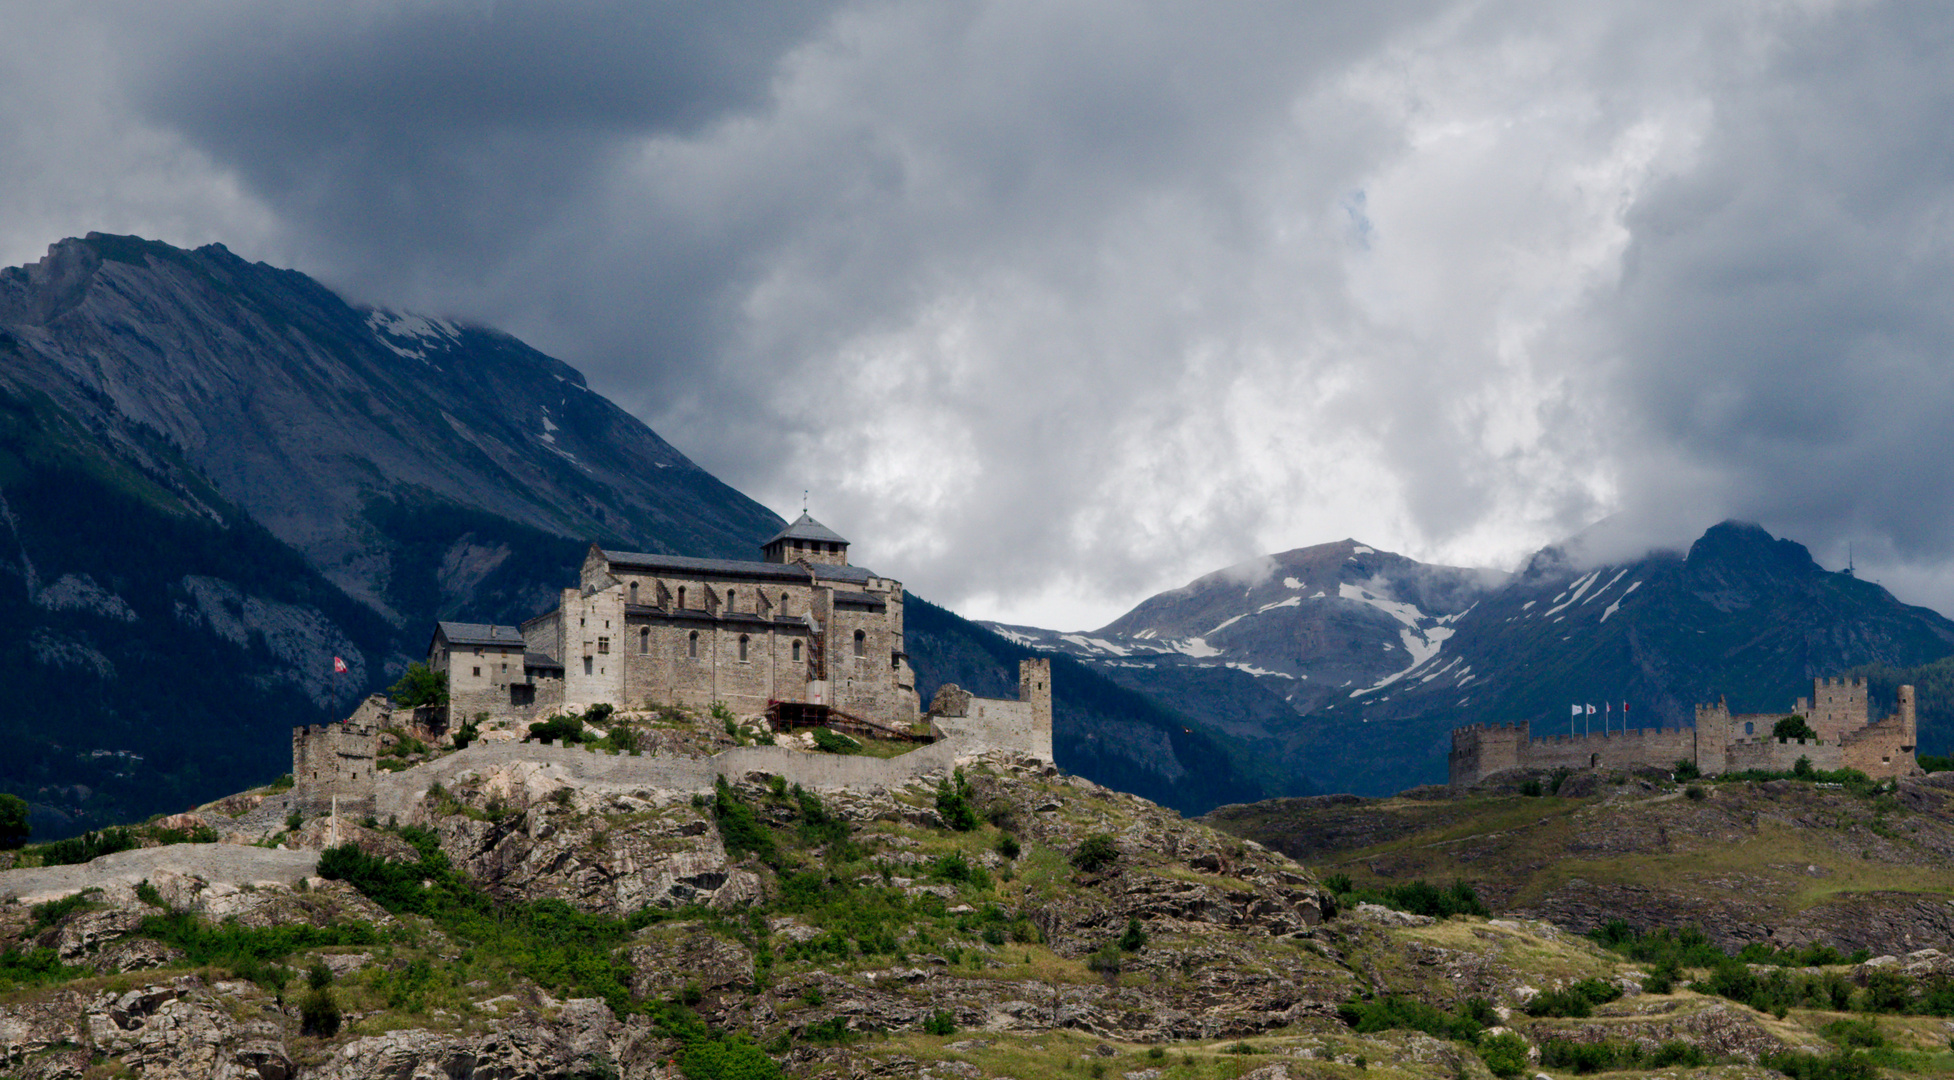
{"x":390,"y":327}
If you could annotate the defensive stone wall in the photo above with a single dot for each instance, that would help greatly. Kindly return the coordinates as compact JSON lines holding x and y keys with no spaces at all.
{"x":399,"y":792}
{"x":1718,"y":743}
{"x":1024,"y":725}
{"x":1781,"y":755}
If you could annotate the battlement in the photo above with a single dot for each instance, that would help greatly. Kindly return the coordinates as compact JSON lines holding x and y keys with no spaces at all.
{"x":333,"y":765}
{"x":1718,"y":742}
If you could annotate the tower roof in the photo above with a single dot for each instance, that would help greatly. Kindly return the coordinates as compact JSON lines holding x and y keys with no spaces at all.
{"x":806,"y":528}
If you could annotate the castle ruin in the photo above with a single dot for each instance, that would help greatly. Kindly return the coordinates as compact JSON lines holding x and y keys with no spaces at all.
{"x":1720,"y":742}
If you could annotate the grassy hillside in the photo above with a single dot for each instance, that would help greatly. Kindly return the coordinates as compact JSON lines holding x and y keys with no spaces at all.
{"x":1783,"y":861}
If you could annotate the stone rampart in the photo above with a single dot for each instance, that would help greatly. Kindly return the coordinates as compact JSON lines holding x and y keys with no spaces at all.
{"x":1781,"y":755}
{"x":397,"y":793}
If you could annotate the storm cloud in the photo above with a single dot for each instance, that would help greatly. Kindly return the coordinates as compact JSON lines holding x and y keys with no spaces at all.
{"x":1054,"y":305}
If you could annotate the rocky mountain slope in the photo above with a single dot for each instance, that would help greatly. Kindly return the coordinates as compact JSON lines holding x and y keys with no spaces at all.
{"x":1006,"y":921}
{"x":1356,"y":680}
{"x":216,"y":476}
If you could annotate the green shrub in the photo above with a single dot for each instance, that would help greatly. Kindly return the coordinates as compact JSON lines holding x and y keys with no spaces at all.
{"x":420,"y":685}
{"x":1841,"y":1065}
{"x":1107,"y":959}
{"x":940,"y":1022}
{"x":1008,"y":846}
{"x":1423,"y":898}
{"x":1676,"y":1052}
{"x":1134,"y":938}
{"x":319,"y":1014}
{"x":1505,"y":1054}
{"x":1685,"y":769}
{"x":148,"y":894}
{"x":53,"y":911}
{"x":1393,"y":1012}
{"x":834,"y":742}
{"x":567,"y":730}
{"x":1851,"y":1033}
{"x":1694,"y":793}
{"x":1531,"y":789}
{"x":739,"y":827}
{"x":953,"y":802}
{"x":728,"y":1059}
{"x":1581,"y":1057}
{"x":88,"y":846}
{"x":14,"y":827}
{"x":1338,"y":883}
{"x":1095,"y":853}
{"x":1793,"y":727}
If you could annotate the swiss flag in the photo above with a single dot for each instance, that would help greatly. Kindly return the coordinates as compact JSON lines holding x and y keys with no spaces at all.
{"x":338,"y":666}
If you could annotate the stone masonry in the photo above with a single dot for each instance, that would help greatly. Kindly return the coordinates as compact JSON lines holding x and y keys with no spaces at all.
{"x":333,"y":764}
{"x":801,"y":626}
{"x":1719,"y":742}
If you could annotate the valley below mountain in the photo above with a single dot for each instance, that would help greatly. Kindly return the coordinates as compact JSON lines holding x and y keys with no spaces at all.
{"x":1348,"y":667}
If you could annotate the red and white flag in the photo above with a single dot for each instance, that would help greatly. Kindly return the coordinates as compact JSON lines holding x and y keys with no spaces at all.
{"x":1590,"y":710}
{"x":338,"y":666}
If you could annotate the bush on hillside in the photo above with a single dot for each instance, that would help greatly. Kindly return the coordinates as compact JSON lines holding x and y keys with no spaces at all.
{"x":421,"y":685}
{"x":14,"y":829}
{"x":1095,"y":853}
{"x":1793,"y":727}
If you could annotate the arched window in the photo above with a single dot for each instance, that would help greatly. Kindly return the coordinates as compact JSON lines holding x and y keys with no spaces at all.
{"x":783,"y":605}
{"x":1750,"y":728}
{"x":742,"y":648}
{"x":634,"y":592}
{"x":681,"y":597}
{"x":692,"y":645}
{"x":644,"y":640}
{"x":797,"y":652}
{"x":730,"y":606}
{"x":861,"y":643}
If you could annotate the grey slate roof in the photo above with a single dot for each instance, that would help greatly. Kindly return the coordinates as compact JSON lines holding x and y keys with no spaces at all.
{"x":869,"y":599}
{"x":806,"y":528}
{"x":538,"y":660}
{"x":736,"y":567}
{"x":468,"y":633}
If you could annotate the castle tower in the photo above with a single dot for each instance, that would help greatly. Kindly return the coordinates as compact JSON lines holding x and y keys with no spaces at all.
{"x":1035,"y":687}
{"x":1714,"y":732}
{"x":806,"y":540}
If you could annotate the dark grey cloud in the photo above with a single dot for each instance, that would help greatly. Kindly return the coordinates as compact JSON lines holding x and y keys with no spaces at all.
{"x":1785,"y":322}
{"x":1053,"y":305}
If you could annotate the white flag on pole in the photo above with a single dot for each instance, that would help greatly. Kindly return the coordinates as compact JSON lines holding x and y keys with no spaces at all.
{"x":1590,"y":710}
{"x":1577,"y":710}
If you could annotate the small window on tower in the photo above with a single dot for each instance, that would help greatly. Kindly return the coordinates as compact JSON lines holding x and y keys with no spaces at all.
{"x":634,"y":592}
{"x":692,"y":645}
{"x":478,"y":672}
{"x":861,"y":644}
{"x":603,"y":646}
{"x":644,"y":640}
{"x":681,"y":596}
{"x":797,"y":652}
{"x":742,"y":648}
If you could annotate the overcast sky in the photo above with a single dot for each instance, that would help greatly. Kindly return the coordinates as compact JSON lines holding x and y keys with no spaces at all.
{"x":1053,"y":305}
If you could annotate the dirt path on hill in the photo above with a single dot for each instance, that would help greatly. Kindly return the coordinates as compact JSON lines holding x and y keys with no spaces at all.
{"x":231,"y":864}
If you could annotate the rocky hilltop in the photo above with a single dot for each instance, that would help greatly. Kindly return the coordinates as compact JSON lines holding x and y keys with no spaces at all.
{"x":524,"y":916}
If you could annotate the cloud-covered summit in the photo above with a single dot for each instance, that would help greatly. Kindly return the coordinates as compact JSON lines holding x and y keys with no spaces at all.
{"x":1054,"y":305}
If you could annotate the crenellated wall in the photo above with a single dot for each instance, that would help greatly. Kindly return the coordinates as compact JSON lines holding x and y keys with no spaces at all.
{"x":1718,"y":743}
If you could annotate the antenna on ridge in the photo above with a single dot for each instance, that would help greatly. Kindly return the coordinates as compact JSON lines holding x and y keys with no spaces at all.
{"x":1848,"y":560}
{"x":803,"y":500}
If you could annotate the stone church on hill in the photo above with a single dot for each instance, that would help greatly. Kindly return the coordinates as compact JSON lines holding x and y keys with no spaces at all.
{"x":801,"y":626}
{"x":1837,"y":712}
